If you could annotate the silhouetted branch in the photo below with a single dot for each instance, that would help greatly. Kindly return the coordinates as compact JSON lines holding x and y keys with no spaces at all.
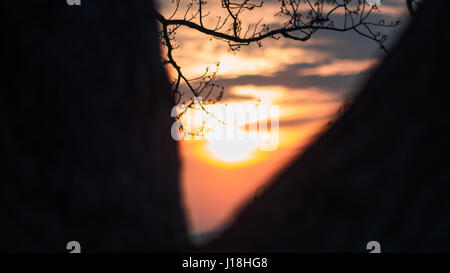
{"x":304,"y":18}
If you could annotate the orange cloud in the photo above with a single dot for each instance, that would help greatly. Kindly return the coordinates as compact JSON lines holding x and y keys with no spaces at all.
{"x":339,"y":67}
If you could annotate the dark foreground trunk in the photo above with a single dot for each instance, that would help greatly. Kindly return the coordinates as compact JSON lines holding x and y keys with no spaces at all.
{"x":86,"y":152}
{"x":382,"y":172}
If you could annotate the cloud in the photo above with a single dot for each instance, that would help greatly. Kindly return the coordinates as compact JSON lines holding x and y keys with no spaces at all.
{"x":267,"y":60}
{"x":197,"y":52}
{"x":340,"y":67}
{"x":290,"y":79}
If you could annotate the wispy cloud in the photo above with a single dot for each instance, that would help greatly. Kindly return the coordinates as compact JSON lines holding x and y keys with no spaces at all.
{"x":339,"y":67}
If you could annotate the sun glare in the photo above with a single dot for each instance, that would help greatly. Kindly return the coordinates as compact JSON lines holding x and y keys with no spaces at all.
{"x":228,"y":141}
{"x":233,"y":151}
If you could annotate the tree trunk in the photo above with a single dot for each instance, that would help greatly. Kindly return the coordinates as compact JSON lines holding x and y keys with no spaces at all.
{"x":382,"y":172}
{"x":86,"y":152}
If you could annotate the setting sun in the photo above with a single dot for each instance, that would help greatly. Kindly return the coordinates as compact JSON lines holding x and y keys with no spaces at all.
{"x":231,"y":132}
{"x":232,"y":151}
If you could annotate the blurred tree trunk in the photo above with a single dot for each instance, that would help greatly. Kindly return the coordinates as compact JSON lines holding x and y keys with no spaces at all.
{"x":382,"y":172}
{"x":86,"y":152}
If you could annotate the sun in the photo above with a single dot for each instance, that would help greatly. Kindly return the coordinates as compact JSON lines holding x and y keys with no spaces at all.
{"x":233,"y":151}
{"x":230,"y":133}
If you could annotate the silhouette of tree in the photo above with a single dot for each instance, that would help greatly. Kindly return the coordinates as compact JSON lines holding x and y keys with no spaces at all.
{"x":300,"y":20}
{"x":86,"y":152}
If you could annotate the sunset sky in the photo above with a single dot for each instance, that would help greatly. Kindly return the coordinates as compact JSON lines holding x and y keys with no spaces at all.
{"x":307,"y":80}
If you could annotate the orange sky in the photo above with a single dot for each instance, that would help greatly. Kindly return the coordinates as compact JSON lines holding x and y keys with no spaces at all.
{"x":308,"y":81}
